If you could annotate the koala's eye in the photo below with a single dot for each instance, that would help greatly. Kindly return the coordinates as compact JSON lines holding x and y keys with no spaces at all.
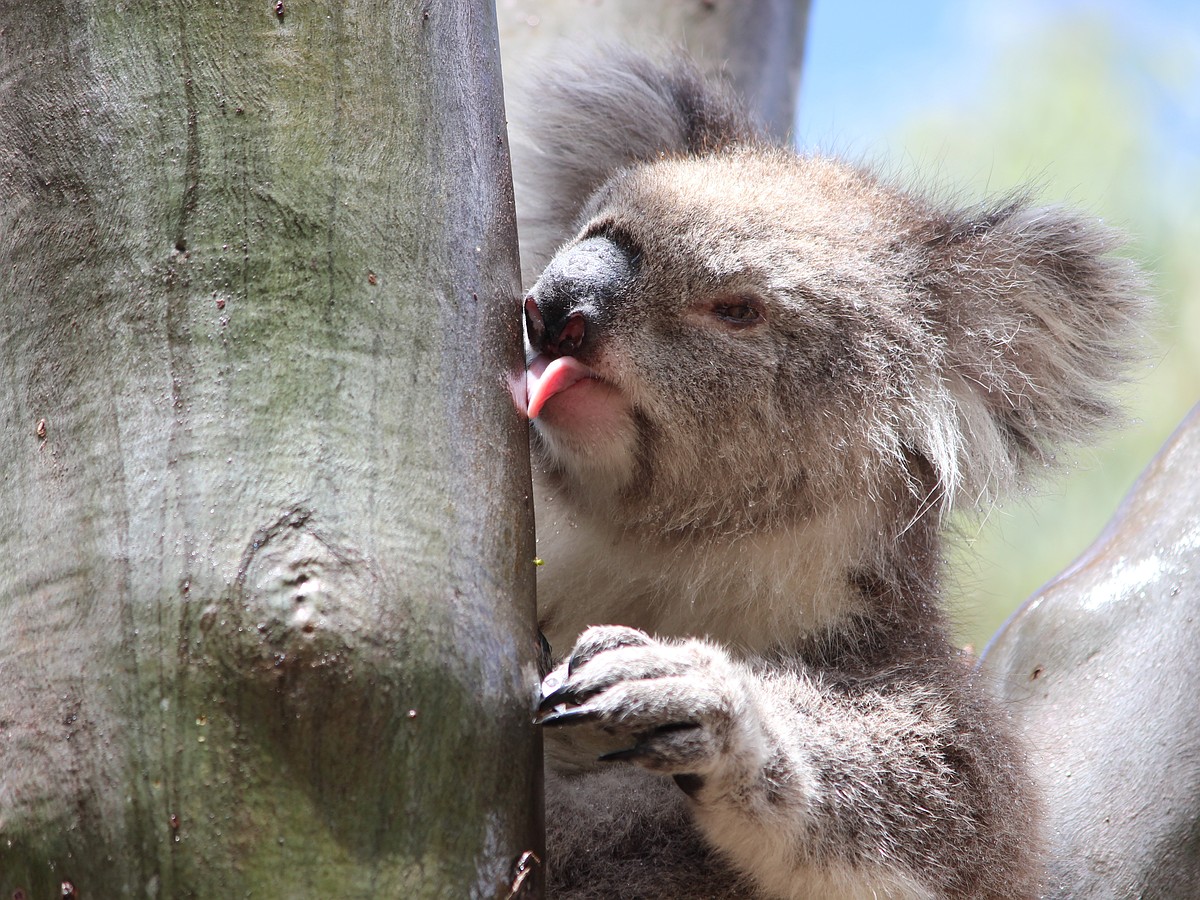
{"x":739,"y":312}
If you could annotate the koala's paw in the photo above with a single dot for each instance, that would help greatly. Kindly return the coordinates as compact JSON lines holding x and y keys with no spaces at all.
{"x":678,"y":708}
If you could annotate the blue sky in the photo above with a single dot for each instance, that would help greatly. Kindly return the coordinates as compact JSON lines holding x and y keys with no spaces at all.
{"x":871,"y":66}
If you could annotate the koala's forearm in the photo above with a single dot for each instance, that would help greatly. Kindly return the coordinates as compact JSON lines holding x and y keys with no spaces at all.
{"x":850,"y":788}
{"x":812,"y":783}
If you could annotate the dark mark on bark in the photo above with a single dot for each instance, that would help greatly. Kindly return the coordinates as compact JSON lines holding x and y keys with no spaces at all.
{"x":191,"y":160}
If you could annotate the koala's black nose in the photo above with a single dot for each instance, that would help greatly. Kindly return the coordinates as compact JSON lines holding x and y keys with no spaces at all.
{"x":564,"y":339}
{"x":577,"y":295}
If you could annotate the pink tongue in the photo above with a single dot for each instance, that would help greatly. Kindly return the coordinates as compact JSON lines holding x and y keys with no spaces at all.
{"x":547,"y":377}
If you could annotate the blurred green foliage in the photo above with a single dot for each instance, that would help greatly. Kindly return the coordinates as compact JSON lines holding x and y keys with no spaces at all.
{"x":1107,"y":119}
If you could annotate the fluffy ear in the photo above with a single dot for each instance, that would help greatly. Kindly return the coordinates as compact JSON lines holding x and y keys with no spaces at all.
{"x":1039,"y":321}
{"x":585,"y":120}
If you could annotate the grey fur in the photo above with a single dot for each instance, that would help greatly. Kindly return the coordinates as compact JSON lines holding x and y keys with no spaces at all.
{"x":806,"y":368}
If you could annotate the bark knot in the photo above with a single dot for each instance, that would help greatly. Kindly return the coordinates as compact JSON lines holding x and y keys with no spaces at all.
{"x":301,"y":599}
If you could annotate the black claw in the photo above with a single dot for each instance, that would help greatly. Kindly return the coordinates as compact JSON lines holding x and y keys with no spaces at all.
{"x":633,"y":753}
{"x":560,"y":697}
{"x":567,"y":717}
{"x":592,"y":647}
{"x":575,"y":660}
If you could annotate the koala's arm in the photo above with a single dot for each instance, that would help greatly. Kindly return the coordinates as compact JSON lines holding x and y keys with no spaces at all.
{"x":892,"y":786}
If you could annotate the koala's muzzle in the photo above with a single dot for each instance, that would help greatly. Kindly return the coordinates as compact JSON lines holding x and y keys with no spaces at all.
{"x":566,"y":313}
{"x":575,"y":296}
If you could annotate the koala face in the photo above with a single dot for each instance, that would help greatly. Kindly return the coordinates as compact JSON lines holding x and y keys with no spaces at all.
{"x":718,"y":345}
{"x":744,"y":339}
{"x":734,"y":338}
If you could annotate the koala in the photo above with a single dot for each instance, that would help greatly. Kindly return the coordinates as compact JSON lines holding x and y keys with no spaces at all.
{"x":757,"y":383}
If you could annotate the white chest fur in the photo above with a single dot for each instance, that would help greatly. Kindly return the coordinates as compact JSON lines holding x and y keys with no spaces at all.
{"x":748,"y":594}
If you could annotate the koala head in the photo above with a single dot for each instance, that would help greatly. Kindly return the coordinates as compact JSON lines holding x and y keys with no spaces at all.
{"x":734,"y":337}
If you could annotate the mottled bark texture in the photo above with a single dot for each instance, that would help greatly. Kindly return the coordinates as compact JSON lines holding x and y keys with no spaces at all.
{"x":266,"y":620}
{"x":1102,"y":671}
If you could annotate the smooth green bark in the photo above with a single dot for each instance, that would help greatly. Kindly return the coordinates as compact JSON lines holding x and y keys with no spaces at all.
{"x":267,"y":598}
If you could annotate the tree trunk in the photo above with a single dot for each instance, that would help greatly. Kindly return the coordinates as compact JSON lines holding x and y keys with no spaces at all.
{"x":267,"y":601}
{"x":758,"y":44}
{"x":1102,"y":671}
